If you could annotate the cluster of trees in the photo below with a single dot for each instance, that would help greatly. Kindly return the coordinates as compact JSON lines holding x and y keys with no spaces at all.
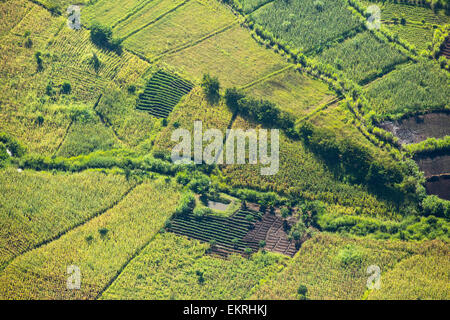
{"x":382,"y":176}
{"x":260,"y":111}
{"x":102,"y":36}
{"x":412,"y":227}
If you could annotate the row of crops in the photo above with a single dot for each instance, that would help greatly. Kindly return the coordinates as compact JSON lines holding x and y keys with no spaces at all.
{"x":162,"y":93}
{"x":227,"y":234}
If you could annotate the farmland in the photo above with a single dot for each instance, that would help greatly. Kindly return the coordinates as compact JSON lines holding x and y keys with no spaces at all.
{"x":99,"y":247}
{"x":411,"y":89}
{"x":363,"y":57}
{"x":169,"y":268}
{"x":325,"y":22}
{"x":341,"y":265}
{"x":28,"y":221}
{"x":162,"y":92}
{"x":86,"y":124}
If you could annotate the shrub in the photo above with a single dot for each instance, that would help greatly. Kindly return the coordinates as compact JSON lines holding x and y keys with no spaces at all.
{"x":350,"y":255}
{"x":102,"y":37}
{"x":66,"y":88}
{"x":211,"y":88}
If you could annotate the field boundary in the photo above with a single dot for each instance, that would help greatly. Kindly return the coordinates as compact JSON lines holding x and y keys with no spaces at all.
{"x":192,"y":43}
{"x":266,"y":77}
{"x":154,"y":20}
{"x":64,"y":232}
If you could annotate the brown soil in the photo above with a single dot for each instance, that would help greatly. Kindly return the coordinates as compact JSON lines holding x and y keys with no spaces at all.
{"x":440,"y":186}
{"x":433,"y":166}
{"x":446,"y":49}
{"x":270,"y":229}
{"x":418,"y":128}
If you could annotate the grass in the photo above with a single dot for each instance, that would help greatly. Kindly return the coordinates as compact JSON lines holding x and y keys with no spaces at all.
{"x":167,"y":269}
{"x":100,"y":248}
{"x":413,"y":88}
{"x":305,"y":24}
{"x":132,"y":126}
{"x":363,"y":57}
{"x":292,"y":91}
{"x":37,"y":206}
{"x":86,"y":136}
{"x":188,"y":23}
{"x":232,"y":55}
{"x":329,"y":272}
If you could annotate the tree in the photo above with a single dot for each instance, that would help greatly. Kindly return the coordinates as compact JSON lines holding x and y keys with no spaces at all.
{"x":102,"y":37}
{"x":66,"y":88}
{"x":211,"y":87}
{"x":302,"y":292}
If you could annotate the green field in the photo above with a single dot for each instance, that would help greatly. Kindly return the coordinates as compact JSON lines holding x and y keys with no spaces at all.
{"x":28,"y":216}
{"x":100,"y":248}
{"x":167,"y":269}
{"x":411,"y":89}
{"x":363,"y":57}
{"x":324,"y":22}
{"x":292,"y":91}
{"x":86,"y":124}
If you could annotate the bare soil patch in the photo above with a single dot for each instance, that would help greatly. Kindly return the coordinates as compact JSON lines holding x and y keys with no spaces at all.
{"x":420,"y":127}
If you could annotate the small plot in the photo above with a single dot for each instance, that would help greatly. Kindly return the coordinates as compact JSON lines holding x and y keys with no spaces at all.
{"x":243,"y":230}
{"x":411,"y":89}
{"x":232,"y":55}
{"x":228,"y":233}
{"x":292,"y":91}
{"x":416,"y":35}
{"x":363,"y":57}
{"x":162,"y":93}
{"x":183,"y":26}
{"x":419,"y":127}
{"x":307,"y":24}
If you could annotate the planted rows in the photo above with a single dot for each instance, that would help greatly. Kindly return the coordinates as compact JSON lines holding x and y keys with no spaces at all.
{"x":227,"y":233}
{"x":162,"y":93}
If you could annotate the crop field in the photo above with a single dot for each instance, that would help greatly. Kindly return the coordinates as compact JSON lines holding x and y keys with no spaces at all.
{"x":293,"y":91}
{"x":131,"y":126}
{"x":186,"y":24}
{"x":30,"y":199}
{"x":304,"y":175}
{"x":86,"y":136}
{"x":168,"y":268}
{"x":363,"y":57}
{"x":391,"y":11}
{"x":232,"y":55}
{"x":325,"y":22}
{"x":194,"y":107}
{"x":418,"y":36}
{"x":335,"y":268}
{"x":411,"y":89}
{"x":220,"y":229}
{"x":87,"y":180}
{"x":162,"y":92}
{"x":100,"y":247}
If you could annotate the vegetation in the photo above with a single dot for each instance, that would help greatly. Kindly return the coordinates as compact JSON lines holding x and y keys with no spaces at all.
{"x":117,"y":236}
{"x":162,"y":93}
{"x":169,"y":268}
{"x":417,"y":87}
{"x":363,"y":57}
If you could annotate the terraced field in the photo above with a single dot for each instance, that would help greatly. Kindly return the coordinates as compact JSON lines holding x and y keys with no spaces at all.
{"x":220,"y":229}
{"x":162,"y":92}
